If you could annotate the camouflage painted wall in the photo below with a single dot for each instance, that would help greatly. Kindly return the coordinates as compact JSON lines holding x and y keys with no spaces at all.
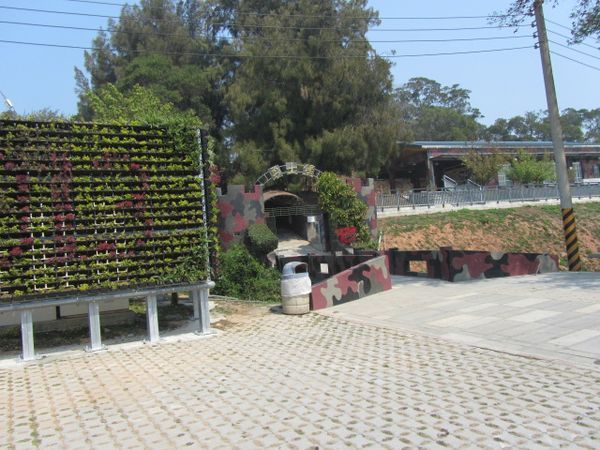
{"x":321,"y":267}
{"x":461,"y":265}
{"x":238,"y":210}
{"x":365,"y":188}
{"x":356,"y":282}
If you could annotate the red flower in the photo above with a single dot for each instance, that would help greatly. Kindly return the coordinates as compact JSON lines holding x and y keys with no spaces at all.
{"x":16,"y":251}
{"x":9,"y":165}
{"x":70,"y":217}
{"x":346,"y":235}
{"x":148,"y":233}
{"x":135,"y":166}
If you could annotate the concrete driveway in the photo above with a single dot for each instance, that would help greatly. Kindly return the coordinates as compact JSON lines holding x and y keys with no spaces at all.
{"x":554,"y":316}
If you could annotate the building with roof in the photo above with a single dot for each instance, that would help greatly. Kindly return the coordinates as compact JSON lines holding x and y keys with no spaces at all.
{"x":426,"y":164}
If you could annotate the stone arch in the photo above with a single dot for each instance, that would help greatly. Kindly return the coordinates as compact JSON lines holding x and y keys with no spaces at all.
{"x":289,"y":168}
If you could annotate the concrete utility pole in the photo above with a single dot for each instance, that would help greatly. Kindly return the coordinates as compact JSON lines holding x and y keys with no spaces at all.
{"x":566,"y":203}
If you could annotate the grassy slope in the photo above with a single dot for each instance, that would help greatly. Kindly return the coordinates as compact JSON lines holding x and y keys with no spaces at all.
{"x":526,"y":229}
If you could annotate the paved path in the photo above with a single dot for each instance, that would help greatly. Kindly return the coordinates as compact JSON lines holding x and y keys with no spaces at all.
{"x":299,"y":382}
{"x":555,"y":315}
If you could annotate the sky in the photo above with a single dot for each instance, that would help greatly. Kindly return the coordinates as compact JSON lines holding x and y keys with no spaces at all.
{"x":502,"y":84}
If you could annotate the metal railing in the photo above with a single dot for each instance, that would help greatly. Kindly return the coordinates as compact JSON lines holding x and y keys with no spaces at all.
{"x":296,"y":210}
{"x":483,"y":195}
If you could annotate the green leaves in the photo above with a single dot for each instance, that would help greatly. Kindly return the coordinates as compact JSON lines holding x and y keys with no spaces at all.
{"x":340,"y":202}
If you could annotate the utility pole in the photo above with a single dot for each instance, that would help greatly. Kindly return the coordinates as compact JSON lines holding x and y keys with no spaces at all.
{"x":566,"y":203}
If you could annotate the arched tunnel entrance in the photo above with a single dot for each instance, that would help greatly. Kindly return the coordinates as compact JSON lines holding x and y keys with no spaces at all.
{"x":297,"y":216}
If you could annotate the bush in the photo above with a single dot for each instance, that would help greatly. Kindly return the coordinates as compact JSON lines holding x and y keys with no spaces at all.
{"x":345,"y":209}
{"x":261,"y":240}
{"x":526,"y":169}
{"x":242,"y":276}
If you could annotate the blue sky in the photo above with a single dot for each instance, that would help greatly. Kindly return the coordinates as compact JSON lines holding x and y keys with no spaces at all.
{"x":502,"y":84}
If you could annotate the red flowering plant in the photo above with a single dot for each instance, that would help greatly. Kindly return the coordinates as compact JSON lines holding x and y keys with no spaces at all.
{"x":346,"y":235}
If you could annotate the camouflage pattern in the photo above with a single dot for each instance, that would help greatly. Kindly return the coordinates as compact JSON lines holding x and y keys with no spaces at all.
{"x":462,"y":265}
{"x":332,"y":264}
{"x":365,"y":188}
{"x":238,"y":210}
{"x":356,"y":282}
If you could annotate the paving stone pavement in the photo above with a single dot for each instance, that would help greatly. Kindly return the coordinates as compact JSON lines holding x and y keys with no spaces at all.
{"x":299,"y":382}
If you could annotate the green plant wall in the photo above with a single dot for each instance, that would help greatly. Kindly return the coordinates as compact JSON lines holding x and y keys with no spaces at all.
{"x":97,"y":207}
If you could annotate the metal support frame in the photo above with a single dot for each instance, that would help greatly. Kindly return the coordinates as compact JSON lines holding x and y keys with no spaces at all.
{"x":28,"y":350}
{"x":95,"y":332}
{"x":199,"y":295}
{"x":200,"y":300}
{"x":152,"y":319}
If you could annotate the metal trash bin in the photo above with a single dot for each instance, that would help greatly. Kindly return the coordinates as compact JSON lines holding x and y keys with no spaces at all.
{"x":295,"y":288}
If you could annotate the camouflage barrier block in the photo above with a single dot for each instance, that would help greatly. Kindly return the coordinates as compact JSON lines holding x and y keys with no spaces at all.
{"x":469,"y":265}
{"x":400,"y":262}
{"x":356,"y":282}
{"x":238,"y":210}
{"x":367,"y":193}
{"x":461,"y":265}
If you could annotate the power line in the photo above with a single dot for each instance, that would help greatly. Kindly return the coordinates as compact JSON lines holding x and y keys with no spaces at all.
{"x":576,"y":61}
{"x":242,"y":56}
{"x":573,"y":49}
{"x":114,"y":30}
{"x":565,"y":27}
{"x":48,"y":11}
{"x":569,"y":37}
{"x":316,"y":16}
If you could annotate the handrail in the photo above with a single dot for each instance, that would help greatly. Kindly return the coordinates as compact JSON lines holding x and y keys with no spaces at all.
{"x":457,"y":197}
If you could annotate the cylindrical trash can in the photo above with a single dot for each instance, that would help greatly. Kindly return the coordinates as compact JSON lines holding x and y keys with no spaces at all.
{"x":295,"y":288}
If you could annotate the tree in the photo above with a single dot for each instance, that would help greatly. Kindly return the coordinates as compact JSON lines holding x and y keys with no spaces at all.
{"x":309,"y":87}
{"x":585,"y":15}
{"x":526,"y":169}
{"x":484,"y":168}
{"x":437,"y":113}
{"x":172,"y":48}
{"x":535,"y":126}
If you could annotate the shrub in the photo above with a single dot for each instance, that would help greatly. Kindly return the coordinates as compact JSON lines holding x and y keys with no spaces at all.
{"x":526,"y":169}
{"x":242,"y":276}
{"x":345,"y":209}
{"x":261,"y":240}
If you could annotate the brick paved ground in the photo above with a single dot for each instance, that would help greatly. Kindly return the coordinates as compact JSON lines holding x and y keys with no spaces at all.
{"x":299,"y":382}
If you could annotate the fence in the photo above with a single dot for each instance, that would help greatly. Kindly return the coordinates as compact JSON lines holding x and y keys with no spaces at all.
{"x":481,"y":196}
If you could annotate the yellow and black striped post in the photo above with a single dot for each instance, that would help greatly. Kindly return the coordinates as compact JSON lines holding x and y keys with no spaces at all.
{"x":570,"y":230}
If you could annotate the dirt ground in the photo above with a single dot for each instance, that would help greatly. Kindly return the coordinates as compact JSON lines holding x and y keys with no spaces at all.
{"x":528,"y":229}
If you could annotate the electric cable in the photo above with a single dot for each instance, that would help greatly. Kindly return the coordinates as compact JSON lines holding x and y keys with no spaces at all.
{"x":241,"y":56}
{"x":113,"y":30}
{"x":48,"y":11}
{"x":573,"y":49}
{"x":576,"y":61}
{"x":569,"y":37}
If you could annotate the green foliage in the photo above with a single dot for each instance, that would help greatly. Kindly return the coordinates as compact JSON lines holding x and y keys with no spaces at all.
{"x":436,"y":112}
{"x":123,"y":208}
{"x":341,"y":203}
{"x":191,"y":269}
{"x":577,"y":125}
{"x":484,"y":168}
{"x":526,"y":169}
{"x":242,"y":276}
{"x":585,"y":15}
{"x":332,"y":111}
{"x":261,"y":240}
{"x":138,"y":106}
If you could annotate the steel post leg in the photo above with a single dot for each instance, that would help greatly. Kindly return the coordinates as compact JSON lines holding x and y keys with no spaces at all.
{"x":28,"y":350}
{"x":200,"y":299}
{"x":95,"y":336}
{"x":152,"y":318}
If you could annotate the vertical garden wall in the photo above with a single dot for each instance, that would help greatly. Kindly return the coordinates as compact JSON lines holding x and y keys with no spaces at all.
{"x":97,"y":207}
